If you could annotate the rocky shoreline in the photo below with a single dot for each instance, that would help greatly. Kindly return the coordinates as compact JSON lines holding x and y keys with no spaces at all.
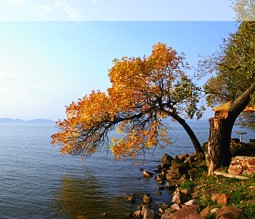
{"x":182,"y":176}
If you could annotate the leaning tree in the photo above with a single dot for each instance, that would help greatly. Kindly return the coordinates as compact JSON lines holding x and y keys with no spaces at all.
{"x":144,"y":92}
{"x":233,"y":86}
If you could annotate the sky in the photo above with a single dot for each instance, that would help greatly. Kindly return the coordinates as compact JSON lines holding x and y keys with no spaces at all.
{"x":117,"y":10}
{"x":52,"y":54}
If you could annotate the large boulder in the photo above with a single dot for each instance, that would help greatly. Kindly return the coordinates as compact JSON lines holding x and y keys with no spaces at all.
{"x":229,"y":212}
{"x":166,"y":160}
{"x":184,"y":213}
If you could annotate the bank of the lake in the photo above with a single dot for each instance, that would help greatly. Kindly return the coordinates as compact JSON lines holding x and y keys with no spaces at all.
{"x":199,"y":196}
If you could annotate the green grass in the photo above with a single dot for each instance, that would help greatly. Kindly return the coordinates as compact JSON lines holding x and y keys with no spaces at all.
{"x":238,"y":191}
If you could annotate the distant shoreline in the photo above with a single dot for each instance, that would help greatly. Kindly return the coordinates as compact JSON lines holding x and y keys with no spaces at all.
{"x":44,"y":121}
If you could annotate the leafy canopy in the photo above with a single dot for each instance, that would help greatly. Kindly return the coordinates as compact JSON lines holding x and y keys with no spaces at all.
{"x":234,"y":66}
{"x":144,"y":92}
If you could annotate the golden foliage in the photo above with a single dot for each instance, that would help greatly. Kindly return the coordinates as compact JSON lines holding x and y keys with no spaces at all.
{"x":144,"y":91}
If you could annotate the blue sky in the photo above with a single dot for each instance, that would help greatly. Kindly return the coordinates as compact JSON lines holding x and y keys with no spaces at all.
{"x":47,"y":65}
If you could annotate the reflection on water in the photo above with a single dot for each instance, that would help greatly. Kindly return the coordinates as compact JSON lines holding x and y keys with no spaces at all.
{"x":83,"y":198}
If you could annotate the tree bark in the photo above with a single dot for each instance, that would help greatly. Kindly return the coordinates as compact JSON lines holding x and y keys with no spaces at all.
{"x":219,"y":153}
{"x":190,"y":133}
{"x":192,"y":137}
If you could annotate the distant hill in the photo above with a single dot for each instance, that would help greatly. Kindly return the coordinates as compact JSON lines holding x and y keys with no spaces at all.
{"x":41,"y":121}
{"x":44,"y":121}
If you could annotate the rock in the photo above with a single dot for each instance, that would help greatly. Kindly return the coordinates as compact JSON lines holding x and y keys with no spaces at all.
{"x":195,"y":207}
{"x":165,"y":206}
{"x":235,"y":169}
{"x":137,"y":214}
{"x":242,"y":164}
{"x":214,"y":197}
{"x":250,"y":171}
{"x":166,"y":160}
{"x":160,"y":177}
{"x":161,"y":210}
{"x":158,"y":193}
{"x":161,"y":182}
{"x":229,"y":212}
{"x":148,"y":174}
{"x":161,"y":188}
{"x":131,"y":198}
{"x":251,"y":202}
{"x":167,"y":215}
{"x":185,"y":191}
{"x":183,"y":157}
{"x":173,"y":173}
{"x":175,"y":207}
{"x":190,"y":202}
{"x":185,"y":213}
{"x":104,"y":214}
{"x":147,"y":199}
{"x":206,"y":212}
{"x":178,"y":197}
{"x":214,"y":210}
{"x":173,"y":184}
{"x":129,"y":215}
{"x":222,"y":199}
{"x":147,"y":213}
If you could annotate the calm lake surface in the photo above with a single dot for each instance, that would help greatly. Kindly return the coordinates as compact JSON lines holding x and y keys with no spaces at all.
{"x":37,"y":182}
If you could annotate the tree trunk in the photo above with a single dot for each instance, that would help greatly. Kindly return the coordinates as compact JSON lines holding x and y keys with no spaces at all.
{"x":192,"y":137}
{"x":221,"y":125}
{"x":190,"y":133}
{"x":219,"y":153}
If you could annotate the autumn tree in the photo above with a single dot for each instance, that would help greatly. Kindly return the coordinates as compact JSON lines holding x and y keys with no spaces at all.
{"x":144,"y":92}
{"x":233,"y":86}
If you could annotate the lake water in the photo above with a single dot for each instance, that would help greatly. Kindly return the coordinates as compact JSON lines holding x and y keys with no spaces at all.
{"x":37,"y":182}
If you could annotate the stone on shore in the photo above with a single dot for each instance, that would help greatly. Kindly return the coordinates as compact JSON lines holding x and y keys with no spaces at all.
{"x":166,"y":161}
{"x":222,"y":199}
{"x":137,"y":214}
{"x":229,"y":212}
{"x":147,"y":213}
{"x":183,"y":213}
{"x":206,"y":212}
{"x":242,"y":165}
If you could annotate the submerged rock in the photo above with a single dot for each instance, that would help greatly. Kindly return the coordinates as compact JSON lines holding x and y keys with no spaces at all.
{"x":148,"y":174}
{"x":131,"y":198}
{"x":147,"y":199}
